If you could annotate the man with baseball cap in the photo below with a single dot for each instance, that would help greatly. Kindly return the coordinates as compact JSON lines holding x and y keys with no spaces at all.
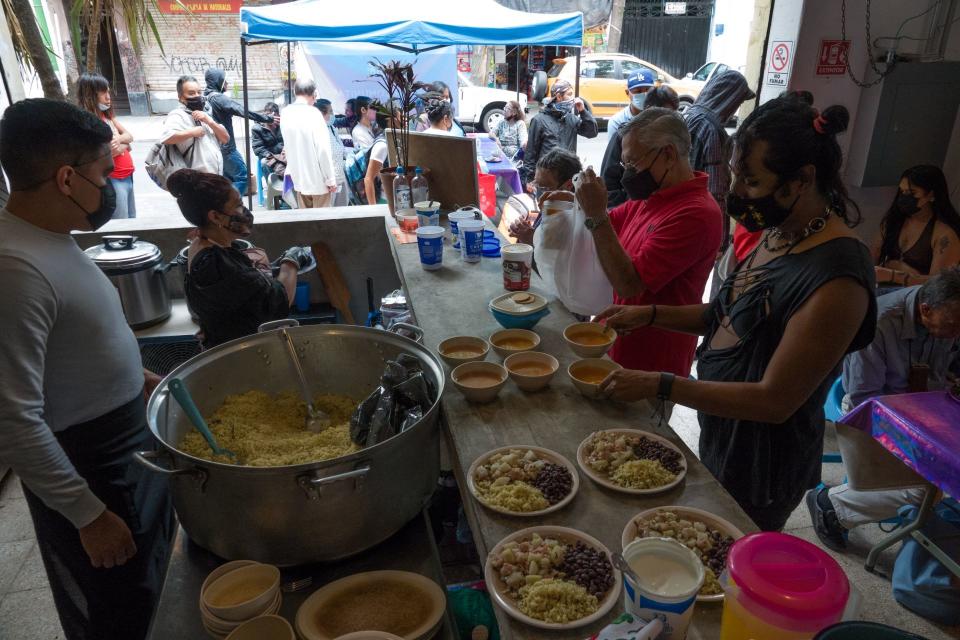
{"x":638,"y":84}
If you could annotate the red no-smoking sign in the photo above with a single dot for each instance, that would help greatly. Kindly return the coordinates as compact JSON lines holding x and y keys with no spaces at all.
{"x":781,"y":59}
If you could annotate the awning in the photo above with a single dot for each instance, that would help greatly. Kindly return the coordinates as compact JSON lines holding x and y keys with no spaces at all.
{"x":410,"y":25}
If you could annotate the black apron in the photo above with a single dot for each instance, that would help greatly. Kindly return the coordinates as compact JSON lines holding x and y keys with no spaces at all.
{"x":117,"y":603}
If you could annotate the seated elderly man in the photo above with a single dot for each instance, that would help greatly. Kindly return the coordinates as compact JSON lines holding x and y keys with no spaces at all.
{"x":659,"y":246}
{"x":553,"y":181}
{"x":915,"y":346}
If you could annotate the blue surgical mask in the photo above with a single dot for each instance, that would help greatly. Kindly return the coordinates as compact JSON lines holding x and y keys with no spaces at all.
{"x":638,"y":100}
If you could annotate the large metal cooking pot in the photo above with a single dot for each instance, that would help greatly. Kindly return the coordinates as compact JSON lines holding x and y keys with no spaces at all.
{"x":313,"y":512}
{"x":137,"y":270}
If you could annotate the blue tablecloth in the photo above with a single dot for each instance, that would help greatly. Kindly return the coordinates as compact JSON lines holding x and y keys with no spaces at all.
{"x":921,"y":429}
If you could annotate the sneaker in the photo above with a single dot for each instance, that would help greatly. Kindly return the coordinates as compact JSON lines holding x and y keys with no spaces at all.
{"x":825,"y":521}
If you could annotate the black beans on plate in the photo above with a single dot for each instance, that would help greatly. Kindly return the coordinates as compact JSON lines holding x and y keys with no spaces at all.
{"x":588,"y":567}
{"x":554,"y":482}
{"x":649,"y":449}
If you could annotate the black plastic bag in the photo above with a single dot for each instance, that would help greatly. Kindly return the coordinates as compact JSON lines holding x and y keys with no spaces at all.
{"x":400,"y":401}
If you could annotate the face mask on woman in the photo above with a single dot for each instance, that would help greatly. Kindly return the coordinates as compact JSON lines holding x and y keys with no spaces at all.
{"x":908,"y":204}
{"x":103,"y":107}
{"x":756,"y":214}
{"x":240,"y":223}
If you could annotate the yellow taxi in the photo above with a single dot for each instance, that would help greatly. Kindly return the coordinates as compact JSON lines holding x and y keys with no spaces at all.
{"x":603,"y":81}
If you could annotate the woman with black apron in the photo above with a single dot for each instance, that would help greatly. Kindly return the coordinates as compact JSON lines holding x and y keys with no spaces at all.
{"x":781,"y":324}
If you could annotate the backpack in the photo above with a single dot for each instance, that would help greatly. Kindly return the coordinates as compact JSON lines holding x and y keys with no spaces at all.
{"x":355,"y":170}
{"x":163,"y":159}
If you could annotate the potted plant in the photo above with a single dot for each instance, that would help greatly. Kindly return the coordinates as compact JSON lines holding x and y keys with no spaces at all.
{"x":400,"y":83}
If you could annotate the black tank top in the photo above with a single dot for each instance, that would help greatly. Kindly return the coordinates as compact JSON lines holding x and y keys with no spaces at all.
{"x":765,"y":465}
{"x":920,"y":255}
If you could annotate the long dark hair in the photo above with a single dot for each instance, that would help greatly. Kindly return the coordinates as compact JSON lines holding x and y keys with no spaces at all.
{"x":88,"y":87}
{"x":797,"y":136}
{"x":929,"y":178}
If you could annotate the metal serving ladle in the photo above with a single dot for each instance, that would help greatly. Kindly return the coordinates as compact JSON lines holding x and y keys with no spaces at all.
{"x":317,"y":420}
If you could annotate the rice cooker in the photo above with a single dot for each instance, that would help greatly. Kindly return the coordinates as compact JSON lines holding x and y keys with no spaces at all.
{"x":137,"y":269}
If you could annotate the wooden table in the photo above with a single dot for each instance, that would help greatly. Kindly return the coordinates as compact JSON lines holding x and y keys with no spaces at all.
{"x":453,"y":301}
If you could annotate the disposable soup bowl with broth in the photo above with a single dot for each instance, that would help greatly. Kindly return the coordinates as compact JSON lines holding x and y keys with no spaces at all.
{"x":531,"y":371}
{"x":507,"y":342}
{"x":479,"y":381}
{"x":462,"y":349}
{"x":589,"y":339}
{"x":587,"y":374}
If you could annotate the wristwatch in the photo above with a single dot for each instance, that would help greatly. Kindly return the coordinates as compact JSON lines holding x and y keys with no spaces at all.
{"x":594,"y":223}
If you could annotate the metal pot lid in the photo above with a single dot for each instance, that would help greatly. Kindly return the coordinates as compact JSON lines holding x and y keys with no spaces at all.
{"x":124,"y":252}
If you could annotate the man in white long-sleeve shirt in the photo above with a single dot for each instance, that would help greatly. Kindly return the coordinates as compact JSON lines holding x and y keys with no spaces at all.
{"x":71,"y":380}
{"x":307,"y":143}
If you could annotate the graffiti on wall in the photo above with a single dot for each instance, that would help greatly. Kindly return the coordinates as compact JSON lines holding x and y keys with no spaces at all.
{"x":198,"y":64}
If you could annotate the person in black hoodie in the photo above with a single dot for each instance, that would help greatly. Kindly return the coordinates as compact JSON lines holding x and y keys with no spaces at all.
{"x":268,"y":142}
{"x":557,"y":125}
{"x":222,"y":109}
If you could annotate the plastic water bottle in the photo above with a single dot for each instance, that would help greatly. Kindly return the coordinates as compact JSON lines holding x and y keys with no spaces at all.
{"x":419,"y":187}
{"x":401,"y":191}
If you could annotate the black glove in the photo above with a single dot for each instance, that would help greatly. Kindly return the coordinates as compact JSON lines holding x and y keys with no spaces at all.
{"x":299,"y":256}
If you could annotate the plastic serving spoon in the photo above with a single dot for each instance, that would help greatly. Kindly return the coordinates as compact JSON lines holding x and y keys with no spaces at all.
{"x":317,"y":420}
{"x":182,"y":396}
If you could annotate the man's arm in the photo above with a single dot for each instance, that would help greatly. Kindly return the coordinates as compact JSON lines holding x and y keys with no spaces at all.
{"x":613,"y":171}
{"x":234,"y":108}
{"x":588,"y":124}
{"x":219,"y":130}
{"x":179,"y":127}
{"x":865,"y":371}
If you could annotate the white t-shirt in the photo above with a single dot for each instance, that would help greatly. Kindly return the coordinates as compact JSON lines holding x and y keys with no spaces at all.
{"x":362,"y":137}
{"x":67,"y":356}
{"x":306,"y":140}
{"x":379,"y":151}
{"x":206,"y":155}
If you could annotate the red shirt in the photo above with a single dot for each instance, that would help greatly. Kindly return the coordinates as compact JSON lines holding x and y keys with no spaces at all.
{"x":744,"y":242}
{"x":672,"y":239}
{"x":123,"y":163}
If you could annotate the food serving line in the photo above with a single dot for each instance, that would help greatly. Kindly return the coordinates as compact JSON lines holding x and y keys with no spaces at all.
{"x":452,"y":301}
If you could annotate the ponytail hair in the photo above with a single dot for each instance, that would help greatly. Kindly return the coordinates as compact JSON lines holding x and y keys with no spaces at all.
{"x":798,"y":135}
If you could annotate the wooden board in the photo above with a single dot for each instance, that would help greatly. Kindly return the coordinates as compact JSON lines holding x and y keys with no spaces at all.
{"x":452,"y":161}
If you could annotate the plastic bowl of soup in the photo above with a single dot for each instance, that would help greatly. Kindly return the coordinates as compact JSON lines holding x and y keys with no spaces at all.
{"x":462,"y":349}
{"x":587,"y":374}
{"x":479,"y":381}
{"x":507,"y":342}
{"x":531,"y":370}
{"x":589,"y":339}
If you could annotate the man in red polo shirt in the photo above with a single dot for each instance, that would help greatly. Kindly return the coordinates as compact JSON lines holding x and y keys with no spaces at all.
{"x":660,"y":245}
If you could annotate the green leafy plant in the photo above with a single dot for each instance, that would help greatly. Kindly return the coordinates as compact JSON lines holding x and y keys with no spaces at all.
{"x":132,"y":16}
{"x":400,"y":83}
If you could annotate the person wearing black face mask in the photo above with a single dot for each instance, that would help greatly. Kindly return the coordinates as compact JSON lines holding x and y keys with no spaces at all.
{"x":920,"y":234}
{"x":658,"y":247}
{"x":192,"y":132}
{"x":776,"y":332}
{"x":557,"y":125}
{"x":72,"y":409}
{"x":232,"y":291}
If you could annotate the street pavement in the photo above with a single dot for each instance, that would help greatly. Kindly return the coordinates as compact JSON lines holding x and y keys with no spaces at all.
{"x":154,"y":202}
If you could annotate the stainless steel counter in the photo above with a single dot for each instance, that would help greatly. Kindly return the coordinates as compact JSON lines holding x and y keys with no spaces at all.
{"x":177,"y":617}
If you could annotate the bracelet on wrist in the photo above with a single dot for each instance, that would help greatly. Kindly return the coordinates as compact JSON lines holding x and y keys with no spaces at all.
{"x":665,"y":388}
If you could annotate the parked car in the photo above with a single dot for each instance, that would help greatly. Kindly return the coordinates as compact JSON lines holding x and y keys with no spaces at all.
{"x":603,"y":81}
{"x":482,"y":107}
{"x":692,"y":84}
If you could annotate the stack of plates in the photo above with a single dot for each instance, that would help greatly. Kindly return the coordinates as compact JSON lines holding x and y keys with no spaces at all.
{"x":236,"y":592}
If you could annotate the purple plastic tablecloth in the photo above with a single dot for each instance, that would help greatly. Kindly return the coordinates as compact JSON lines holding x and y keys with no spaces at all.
{"x":503,"y":169}
{"x":921,"y":429}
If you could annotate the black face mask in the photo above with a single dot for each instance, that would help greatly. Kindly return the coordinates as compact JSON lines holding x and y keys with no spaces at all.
{"x":240,"y":223}
{"x":108,"y":204}
{"x":907,"y":204}
{"x":641,"y":185}
{"x":756,"y":214}
{"x":195,"y":104}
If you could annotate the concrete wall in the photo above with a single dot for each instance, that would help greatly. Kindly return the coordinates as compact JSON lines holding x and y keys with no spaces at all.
{"x":194,"y":43}
{"x":357,"y":237}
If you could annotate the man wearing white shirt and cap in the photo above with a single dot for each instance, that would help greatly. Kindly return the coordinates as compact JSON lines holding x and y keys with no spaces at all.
{"x":307,"y":143}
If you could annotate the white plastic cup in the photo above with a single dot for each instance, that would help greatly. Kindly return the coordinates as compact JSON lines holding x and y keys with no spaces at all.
{"x":428,"y":213}
{"x":471,"y":240}
{"x":671,"y":576}
{"x":517,"y":264}
{"x":455,"y":218}
{"x":430,"y":243}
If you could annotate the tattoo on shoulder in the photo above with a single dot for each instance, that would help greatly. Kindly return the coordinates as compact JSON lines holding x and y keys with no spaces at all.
{"x":944,"y":244}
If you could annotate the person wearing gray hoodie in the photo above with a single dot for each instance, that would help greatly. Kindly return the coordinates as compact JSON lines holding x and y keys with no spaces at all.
{"x":710,"y":150}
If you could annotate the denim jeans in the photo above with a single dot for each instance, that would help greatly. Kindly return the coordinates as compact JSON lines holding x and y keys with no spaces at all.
{"x":126,"y":205}
{"x":235,"y":170}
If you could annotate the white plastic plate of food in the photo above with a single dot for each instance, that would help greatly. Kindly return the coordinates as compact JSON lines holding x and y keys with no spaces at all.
{"x":713,"y":524}
{"x":497,"y":573}
{"x":675,"y":461}
{"x":480,"y":473}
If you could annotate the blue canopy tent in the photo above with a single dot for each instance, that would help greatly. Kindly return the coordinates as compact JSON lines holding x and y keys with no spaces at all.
{"x":408,"y":26}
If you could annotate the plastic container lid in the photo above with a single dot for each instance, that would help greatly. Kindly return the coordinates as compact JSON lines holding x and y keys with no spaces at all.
{"x":787,"y":581}
{"x":507,"y":303}
{"x":491,"y":248}
{"x":124,"y":254}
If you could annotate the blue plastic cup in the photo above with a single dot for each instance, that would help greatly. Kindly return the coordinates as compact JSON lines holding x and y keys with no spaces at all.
{"x":301,"y":299}
{"x":428,"y":213}
{"x":455,"y":219}
{"x":471,"y":240}
{"x":430,"y":243}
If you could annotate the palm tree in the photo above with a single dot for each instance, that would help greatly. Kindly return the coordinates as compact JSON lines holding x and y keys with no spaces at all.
{"x":88,"y":16}
{"x":30,"y":47}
